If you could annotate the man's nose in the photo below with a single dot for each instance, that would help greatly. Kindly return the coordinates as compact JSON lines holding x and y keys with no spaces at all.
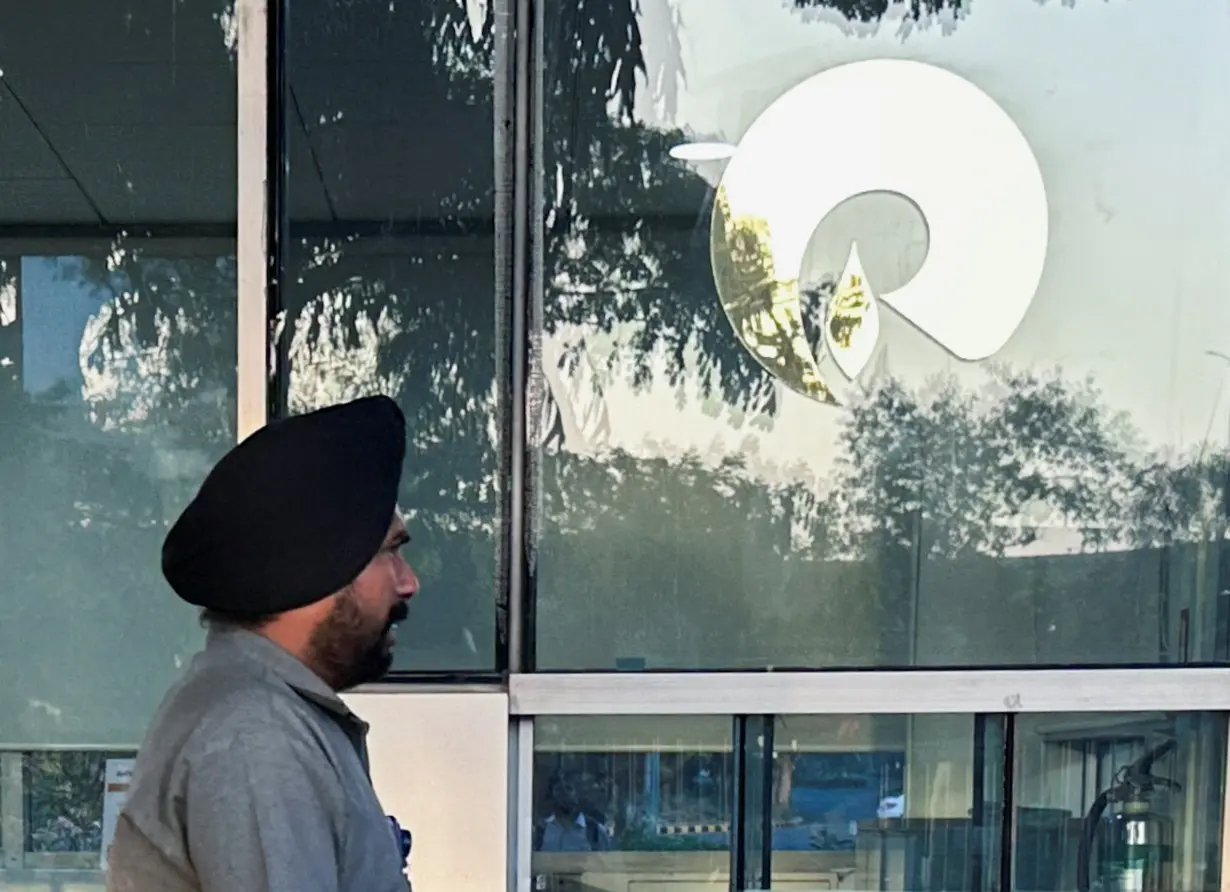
{"x":408,"y":583}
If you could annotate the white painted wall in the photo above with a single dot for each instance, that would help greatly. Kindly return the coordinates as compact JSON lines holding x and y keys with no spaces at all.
{"x":440,"y":766}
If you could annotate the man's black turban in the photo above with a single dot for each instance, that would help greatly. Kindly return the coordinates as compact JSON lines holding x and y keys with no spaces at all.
{"x":293,"y":513}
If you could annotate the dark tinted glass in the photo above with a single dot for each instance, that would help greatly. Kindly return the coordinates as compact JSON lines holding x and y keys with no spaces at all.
{"x":390,"y":286}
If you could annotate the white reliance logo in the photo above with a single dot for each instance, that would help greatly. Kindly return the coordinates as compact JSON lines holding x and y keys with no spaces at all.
{"x":879,"y":126}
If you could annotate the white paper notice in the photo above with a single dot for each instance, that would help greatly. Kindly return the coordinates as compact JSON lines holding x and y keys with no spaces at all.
{"x":115,"y":791}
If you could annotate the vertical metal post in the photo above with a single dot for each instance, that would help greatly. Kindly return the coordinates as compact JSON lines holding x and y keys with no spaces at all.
{"x":504,"y":55}
{"x":1224,"y":854}
{"x":521,"y":805}
{"x":766,"y":812}
{"x":521,"y":448}
{"x":980,"y":837}
{"x":252,"y":230}
{"x":11,"y":326}
{"x":278,"y":242}
{"x":738,"y":806}
{"x":1007,"y":845}
{"x":12,"y":811}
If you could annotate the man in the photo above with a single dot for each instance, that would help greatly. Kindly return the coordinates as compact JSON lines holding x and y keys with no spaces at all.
{"x":254,"y":774}
{"x":569,"y":827}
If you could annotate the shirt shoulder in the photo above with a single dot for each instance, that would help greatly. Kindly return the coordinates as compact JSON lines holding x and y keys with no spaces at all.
{"x":231,"y":712}
{"x":256,"y":745}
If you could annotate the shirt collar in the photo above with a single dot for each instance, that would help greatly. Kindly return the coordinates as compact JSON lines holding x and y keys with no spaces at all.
{"x":227,"y":643}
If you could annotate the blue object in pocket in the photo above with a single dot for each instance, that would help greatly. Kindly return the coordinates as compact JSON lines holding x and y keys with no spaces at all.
{"x":402,"y":836}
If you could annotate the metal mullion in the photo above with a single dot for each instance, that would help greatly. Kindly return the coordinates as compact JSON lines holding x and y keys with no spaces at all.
{"x":12,"y":328}
{"x":1224,"y":866}
{"x":1007,"y":827}
{"x":521,"y":805}
{"x":253,"y":54}
{"x":509,"y":299}
{"x":738,"y":811}
{"x":766,"y":804}
{"x":525,"y":320}
{"x":277,"y":221}
{"x":12,"y":811}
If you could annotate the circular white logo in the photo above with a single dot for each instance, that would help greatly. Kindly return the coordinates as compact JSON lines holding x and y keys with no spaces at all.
{"x":879,"y":126}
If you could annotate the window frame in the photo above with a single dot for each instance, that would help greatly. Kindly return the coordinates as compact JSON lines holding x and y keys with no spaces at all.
{"x":745,"y":696}
{"x":518,"y":85}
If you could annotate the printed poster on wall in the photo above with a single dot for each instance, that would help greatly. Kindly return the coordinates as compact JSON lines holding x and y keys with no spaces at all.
{"x":115,"y":790}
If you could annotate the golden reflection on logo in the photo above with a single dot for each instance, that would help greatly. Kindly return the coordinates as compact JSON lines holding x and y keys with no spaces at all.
{"x":852,"y":319}
{"x":765,"y":310}
{"x":928,"y":135}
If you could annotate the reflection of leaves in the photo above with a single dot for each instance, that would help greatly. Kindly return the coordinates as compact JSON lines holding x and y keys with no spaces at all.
{"x":165,"y":334}
{"x":93,"y":470}
{"x":942,"y":474}
{"x":65,"y":794}
{"x":961,"y":468}
{"x":1179,"y":502}
{"x":874,"y":10}
{"x":848,"y":312}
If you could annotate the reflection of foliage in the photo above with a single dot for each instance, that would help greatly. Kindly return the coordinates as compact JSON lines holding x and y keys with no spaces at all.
{"x":64,"y":792}
{"x":93,"y":471}
{"x":397,"y":316}
{"x":627,"y":535}
{"x":960,"y":468}
{"x":1188,"y":501}
{"x":158,"y":348}
{"x":757,"y":305}
{"x":848,"y":312}
{"x":934,"y":494}
{"x":874,"y":10}
{"x":712,"y":565}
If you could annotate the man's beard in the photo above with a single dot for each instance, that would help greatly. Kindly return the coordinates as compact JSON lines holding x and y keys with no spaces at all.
{"x":346,"y":651}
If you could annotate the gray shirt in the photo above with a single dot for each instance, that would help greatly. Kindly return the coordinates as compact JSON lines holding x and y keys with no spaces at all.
{"x":253,"y":777}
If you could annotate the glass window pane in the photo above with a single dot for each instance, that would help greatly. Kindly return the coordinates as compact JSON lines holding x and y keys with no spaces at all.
{"x":391,"y":282}
{"x":117,"y":387}
{"x":887,"y":802}
{"x":811,"y":398}
{"x":641,"y":803}
{"x":119,"y":352}
{"x":1119,"y":801}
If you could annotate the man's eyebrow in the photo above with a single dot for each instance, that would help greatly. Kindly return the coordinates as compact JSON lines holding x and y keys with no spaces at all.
{"x":398,"y":539}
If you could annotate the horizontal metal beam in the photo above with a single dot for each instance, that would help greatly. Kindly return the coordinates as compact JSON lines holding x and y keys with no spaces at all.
{"x":419,"y":227}
{"x":850,"y":693}
{"x":109,"y":232}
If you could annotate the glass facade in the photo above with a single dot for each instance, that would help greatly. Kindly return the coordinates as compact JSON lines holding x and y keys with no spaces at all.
{"x":753,"y":353}
{"x":848,"y":362}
